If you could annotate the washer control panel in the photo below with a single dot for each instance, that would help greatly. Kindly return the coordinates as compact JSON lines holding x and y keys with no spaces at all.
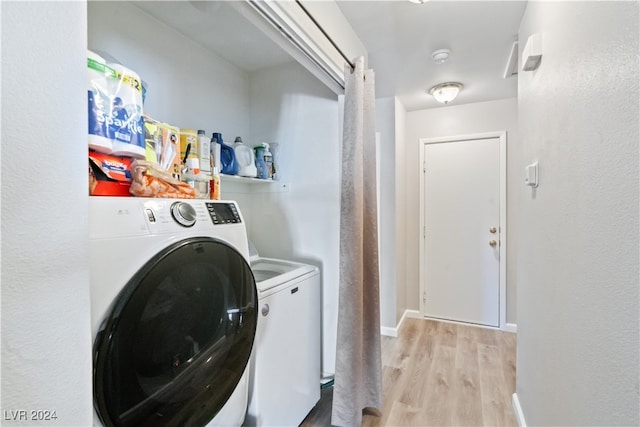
{"x":166,"y":214}
{"x":183,"y":213}
{"x":223,"y":213}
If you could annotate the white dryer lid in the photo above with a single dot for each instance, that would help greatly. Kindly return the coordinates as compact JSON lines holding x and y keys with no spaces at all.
{"x":253,"y":252}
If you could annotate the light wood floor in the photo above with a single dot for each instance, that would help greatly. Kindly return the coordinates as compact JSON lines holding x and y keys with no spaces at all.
{"x":440,"y":374}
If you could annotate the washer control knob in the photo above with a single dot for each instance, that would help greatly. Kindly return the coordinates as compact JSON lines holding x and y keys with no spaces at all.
{"x":265,"y":309}
{"x":183,"y":213}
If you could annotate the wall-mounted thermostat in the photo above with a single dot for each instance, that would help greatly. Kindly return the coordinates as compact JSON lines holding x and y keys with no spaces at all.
{"x":531,"y":175}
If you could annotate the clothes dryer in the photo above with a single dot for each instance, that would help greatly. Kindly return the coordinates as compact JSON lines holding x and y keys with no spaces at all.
{"x":174,"y":312}
{"x":285,"y":366}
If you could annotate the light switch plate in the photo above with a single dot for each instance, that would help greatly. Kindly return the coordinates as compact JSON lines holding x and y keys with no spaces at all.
{"x":531,"y":175}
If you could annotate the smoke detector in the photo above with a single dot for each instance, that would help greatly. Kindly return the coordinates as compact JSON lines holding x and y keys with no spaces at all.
{"x":441,"y":55}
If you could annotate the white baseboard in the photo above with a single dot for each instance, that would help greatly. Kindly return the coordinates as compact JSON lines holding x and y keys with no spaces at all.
{"x":510,"y":327}
{"x":415,"y":314}
{"x":412,"y":314}
{"x":388,"y":332}
{"x":517,"y":409}
{"x":393,"y":332}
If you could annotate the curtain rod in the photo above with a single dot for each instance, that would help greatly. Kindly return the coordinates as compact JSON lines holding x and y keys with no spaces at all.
{"x":317,"y":24}
{"x":257,"y":7}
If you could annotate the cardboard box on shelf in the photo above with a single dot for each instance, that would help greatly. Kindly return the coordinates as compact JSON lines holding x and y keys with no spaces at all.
{"x":109,"y":175}
{"x":152,"y":139}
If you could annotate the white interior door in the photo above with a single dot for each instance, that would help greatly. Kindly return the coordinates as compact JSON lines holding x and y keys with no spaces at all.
{"x":462,"y":231}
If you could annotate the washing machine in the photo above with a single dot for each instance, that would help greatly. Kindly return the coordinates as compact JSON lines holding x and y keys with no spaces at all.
{"x":174,"y":312}
{"x":285,"y":366}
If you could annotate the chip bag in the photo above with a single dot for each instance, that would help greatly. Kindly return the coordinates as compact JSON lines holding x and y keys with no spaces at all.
{"x":151,"y":180}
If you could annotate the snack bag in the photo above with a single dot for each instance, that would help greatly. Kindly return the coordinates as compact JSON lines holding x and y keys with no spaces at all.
{"x":151,"y":180}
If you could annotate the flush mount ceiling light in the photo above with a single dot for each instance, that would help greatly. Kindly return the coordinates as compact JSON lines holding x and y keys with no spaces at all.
{"x":446,"y":92}
{"x":441,"y":55}
{"x":418,"y":1}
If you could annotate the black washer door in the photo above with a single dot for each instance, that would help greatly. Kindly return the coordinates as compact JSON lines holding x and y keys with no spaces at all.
{"x":178,"y":337}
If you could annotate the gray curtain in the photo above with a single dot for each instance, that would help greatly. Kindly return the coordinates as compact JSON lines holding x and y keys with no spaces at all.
{"x":358,"y":361}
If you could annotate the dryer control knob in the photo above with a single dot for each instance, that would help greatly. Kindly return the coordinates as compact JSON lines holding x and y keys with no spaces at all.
{"x":183,"y":213}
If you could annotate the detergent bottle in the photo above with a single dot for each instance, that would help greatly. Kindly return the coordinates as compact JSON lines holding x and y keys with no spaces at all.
{"x":227,"y":156}
{"x":245,"y":159}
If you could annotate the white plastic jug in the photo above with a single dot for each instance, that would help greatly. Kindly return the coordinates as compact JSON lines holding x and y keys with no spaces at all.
{"x":245,"y":158}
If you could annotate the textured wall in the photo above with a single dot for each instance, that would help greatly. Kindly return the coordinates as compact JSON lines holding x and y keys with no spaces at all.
{"x":46,"y":335}
{"x":455,"y":120}
{"x":401,"y":210}
{"x":578,"y":241}
{"x":386,"y":126}
{"x":291,"y":107}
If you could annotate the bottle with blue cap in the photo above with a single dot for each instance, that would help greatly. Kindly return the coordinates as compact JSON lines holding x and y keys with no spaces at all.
{"x":227,"y":156}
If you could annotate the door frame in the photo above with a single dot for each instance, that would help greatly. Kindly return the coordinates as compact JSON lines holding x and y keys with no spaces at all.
{"x":502,"y":136}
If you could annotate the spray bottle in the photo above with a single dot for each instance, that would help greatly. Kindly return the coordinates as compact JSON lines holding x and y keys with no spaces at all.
{"x":268,"y":160}
{"x":261,"y":167}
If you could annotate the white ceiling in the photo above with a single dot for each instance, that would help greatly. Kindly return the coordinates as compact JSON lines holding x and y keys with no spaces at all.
{"x":399,"y":36}
{"x":220,"y":28}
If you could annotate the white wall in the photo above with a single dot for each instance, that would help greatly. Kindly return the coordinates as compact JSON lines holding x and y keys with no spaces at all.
{"x":291,"y":107}
{"x":390,"y":123}
{"x":46,"y":335}
{"x":386,"y":125}
{"x":188,"y":85}
{"x":400,"y":203}
{"x":452,"y":121}
{"x":578,"y":237}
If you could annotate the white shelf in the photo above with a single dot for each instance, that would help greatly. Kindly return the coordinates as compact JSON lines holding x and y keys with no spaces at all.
{"x":238,"y":184}
{"x":245,"y":180}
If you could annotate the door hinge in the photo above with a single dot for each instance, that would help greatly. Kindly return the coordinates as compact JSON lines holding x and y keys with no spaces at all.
{"x":424,"y":297}
{"x":424,"y":167}
{"x":424,"y":232}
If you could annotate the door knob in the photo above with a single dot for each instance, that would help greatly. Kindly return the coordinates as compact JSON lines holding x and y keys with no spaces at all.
{"x":493,"y":230}
{"x":492,"y":243}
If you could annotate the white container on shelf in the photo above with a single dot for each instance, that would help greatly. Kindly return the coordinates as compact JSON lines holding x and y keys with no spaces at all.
{"x":204,"y":152}
{"x":245,"y":159}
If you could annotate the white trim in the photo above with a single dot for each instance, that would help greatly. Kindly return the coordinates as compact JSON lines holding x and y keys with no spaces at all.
{"x":502,"y":135}
{"x":459,"y":322}
{"x":415,"y":314}
{"x":517,"y":410}
{"x":411,"y":314}
{"x":388,"y":332}
{"x":503,"y":228}
{"x":510,"y":327}
{"x":393,"y":332}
